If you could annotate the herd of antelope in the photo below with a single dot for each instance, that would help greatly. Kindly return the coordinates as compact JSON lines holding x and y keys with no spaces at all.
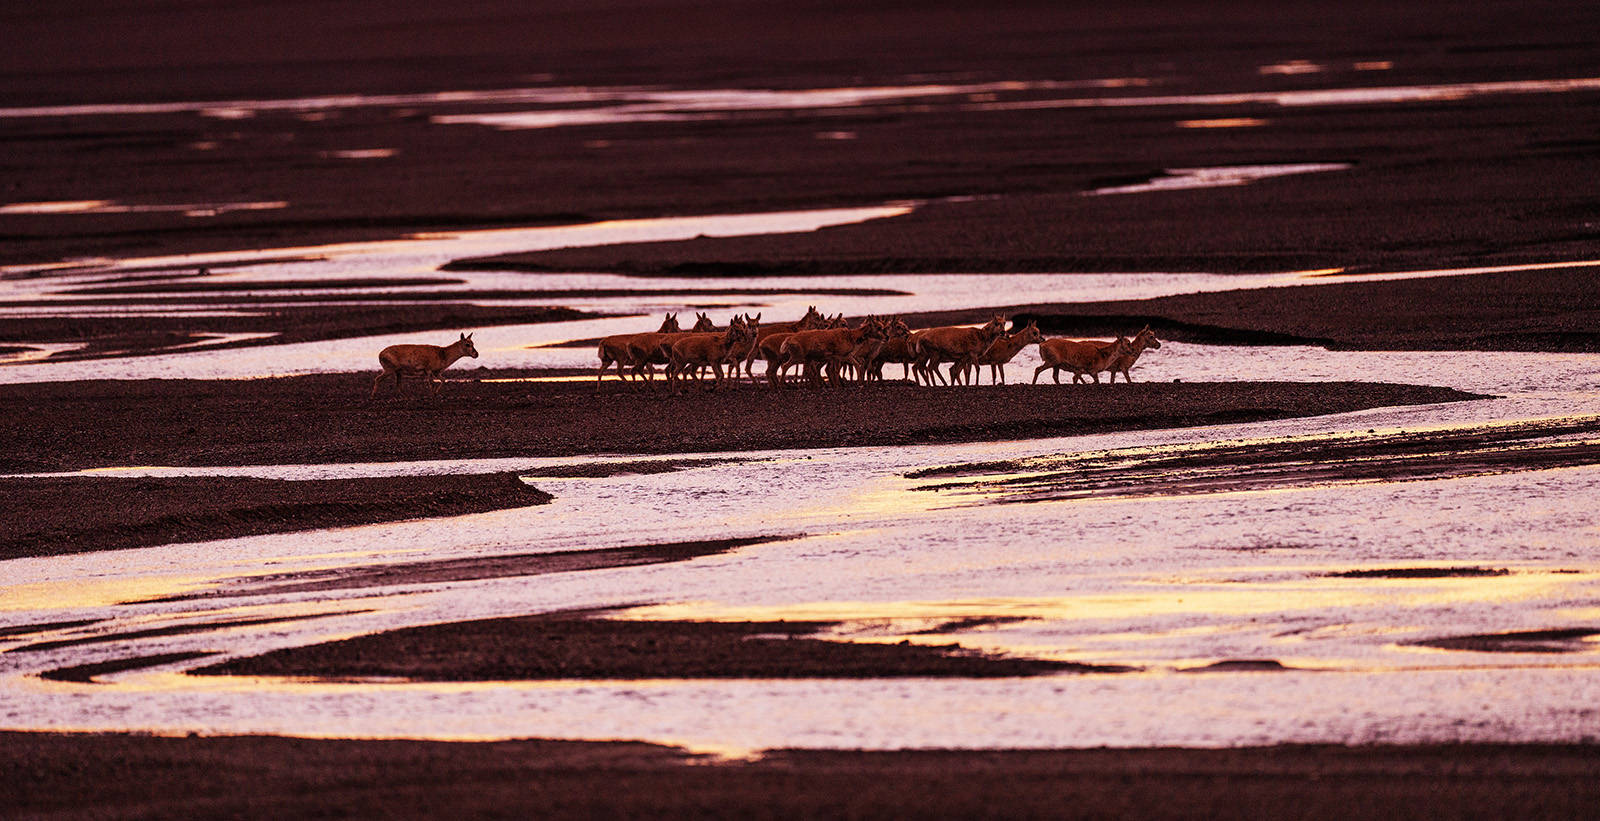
{"x":815,"y":346}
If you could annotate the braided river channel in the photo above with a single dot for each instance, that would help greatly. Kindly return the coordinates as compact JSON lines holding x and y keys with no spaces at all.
{"x":1413,"y":574}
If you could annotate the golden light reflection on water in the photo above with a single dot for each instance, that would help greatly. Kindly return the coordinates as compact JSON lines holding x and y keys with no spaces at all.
{"x":1224,"y":122}
{"x":1232,"y":596}
{"x":89,"y":593}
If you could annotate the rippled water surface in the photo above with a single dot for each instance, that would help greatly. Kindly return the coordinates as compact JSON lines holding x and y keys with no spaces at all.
{"x":1167,"y":581}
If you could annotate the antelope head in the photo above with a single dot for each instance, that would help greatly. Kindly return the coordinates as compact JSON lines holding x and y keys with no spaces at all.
{"x":1147,"y":337}
{"x":467,"y":348}
{"x":1031,"y":334}
{"x":702,"y":322}
{"x":670,"y":324}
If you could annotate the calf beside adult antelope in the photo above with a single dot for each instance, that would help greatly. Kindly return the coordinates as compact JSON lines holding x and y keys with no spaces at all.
{"x":421,"y":361}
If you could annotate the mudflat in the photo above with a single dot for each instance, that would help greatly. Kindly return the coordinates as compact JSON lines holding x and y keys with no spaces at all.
{"x":272,"y":777}
{"x":321,"y":419}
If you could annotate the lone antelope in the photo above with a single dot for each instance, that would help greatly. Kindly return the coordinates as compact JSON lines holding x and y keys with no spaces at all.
{"x":953,"y":343}
{"x":1145,"y":338}
{"x":425,"y":361}
{"x":1079,"y":357}
{"x":1003,"y":349}
{"x":615,"y":349}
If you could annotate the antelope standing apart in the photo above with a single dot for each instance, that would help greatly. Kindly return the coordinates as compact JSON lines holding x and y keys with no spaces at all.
{"x":615,"y":349}
{"x":1145,"y":338}
{"x":1003,"y":349}
{"x":1079,"y":357}
{"x":957,"y":344}
{"x":694,"y":351}
{"x":829,"y":346}
{"x":425,"y":361}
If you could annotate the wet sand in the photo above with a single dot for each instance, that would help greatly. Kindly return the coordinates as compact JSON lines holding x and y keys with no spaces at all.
{"x":81,"y":776}
{"x":56,"y":516}
{"x":1415,"y":195}
{"x":1465,"y":181}
{"x":329,"y":418}
{"x":587,"y":646}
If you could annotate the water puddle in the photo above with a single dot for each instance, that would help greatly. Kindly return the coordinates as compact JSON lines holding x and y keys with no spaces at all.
{"x":1376,"y":95}
{"x":1181,"y":179}
{"x":210,"y":209}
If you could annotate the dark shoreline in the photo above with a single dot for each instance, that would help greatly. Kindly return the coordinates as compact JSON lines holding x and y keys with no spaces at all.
{"x":329,"y":419}
{"x":138,"y":776}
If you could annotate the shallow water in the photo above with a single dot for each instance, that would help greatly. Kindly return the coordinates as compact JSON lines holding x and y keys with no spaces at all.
{"x":1165,"y":581}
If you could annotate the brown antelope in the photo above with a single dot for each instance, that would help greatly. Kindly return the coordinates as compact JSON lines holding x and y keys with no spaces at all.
{"x":615,"y":348}
{"x":646,"y":350}
{"x":812,"y":319}
{"x":1079,"y":357}
{"x":1145,"y":338}
{"x":957,"y":344}
{"x":896,"y":348}
{"x":1003,"y":349}
{"x":830,"y":347}
{"x":770,"y":345}
{"x":694,"y":351}
{"x":425,"y":361}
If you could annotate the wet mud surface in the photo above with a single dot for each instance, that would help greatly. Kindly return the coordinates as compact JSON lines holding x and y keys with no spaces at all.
{"x":559,"y":647}
{"x":316,"y":419}
{"x":1273,"y":464}
{"x":62,"y":515}
{"x":1459,"y":181}
{"x":261,"y":777}
{"x":1413,"y":195}
{"x":471,"y":569}
{"x":1562,"y":640}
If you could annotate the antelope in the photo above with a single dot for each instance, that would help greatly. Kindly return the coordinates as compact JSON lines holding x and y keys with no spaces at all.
{"x":424,"y":361}
{"x":1079,"y":357}
{"x":741,"y":349}
{"x":897,"y":348}
{"x":1003,"y":349}
{"x":770,"y":345}
{"x":645,"y":350}
{"x":812,"y":319}
{"x":1145,"y":338}
{"x":697,"y":350}
{"x":615,"y":349}
{"x":829,"y":346}
{"x":957,"y":344}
